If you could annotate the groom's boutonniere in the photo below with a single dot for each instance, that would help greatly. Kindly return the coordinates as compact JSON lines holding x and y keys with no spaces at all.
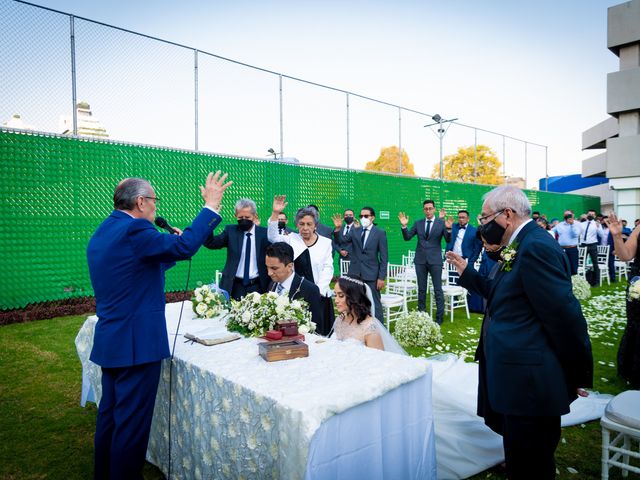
{"x":508,"y":256}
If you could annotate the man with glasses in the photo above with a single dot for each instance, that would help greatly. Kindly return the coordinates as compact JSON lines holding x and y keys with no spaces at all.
{"x":369,"y":253}
{"x":534,"y":352}
{"x":127,"y":259}
{"x":428,"y":258}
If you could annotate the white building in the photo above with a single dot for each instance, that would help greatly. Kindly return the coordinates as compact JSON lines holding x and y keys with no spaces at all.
{"x":88,"y":125}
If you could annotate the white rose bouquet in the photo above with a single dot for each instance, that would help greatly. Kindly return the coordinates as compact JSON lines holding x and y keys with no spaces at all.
{"x":634,"y":289}
{"x":256,"y":314}
{"x":417,"y":329}
{"x":581,"y":288}
{"x":208,"y":302}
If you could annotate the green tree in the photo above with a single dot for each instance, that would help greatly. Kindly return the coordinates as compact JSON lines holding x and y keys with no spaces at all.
{"x":388,"y":162}
{"x":461,"y":166}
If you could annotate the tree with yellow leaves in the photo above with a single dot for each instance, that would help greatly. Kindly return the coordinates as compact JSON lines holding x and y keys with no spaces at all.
{"x":388,"y":161}
{"x":461,"y":166}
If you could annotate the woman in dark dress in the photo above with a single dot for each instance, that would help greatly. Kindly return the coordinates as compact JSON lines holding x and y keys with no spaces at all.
{"x":629,"y":351}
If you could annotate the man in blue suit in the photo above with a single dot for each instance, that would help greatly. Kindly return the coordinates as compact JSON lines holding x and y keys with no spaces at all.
{"x":127,"y":259}
{"x":534,"y":352}
{"x":464,"y":240}
{"x":244,"y":271}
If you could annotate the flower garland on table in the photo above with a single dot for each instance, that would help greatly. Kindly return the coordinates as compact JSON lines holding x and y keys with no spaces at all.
{"x":208,"y":302}
{"x":508,"y":256}
{"x":254,"y":314}
{"x":417,"y":329}
{"x":581,"y":288}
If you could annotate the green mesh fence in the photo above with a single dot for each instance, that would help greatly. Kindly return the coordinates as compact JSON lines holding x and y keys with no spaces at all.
{"x":56,"y":191}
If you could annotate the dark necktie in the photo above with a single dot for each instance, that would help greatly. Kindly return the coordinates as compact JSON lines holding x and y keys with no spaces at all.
{"x":247,"y":260}
{"x":347,"y":231}
{"x":462,"y":228}
{"x":586,"y":230}
{"x":364,"y":235}
{"x":426,"y":234}
{"x":280,"y":230}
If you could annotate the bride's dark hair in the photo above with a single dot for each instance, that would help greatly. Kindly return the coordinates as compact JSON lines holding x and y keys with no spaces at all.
{"x":355,"y":292}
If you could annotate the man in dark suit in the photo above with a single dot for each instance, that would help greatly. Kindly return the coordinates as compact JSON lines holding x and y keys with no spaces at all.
{"x":283,"y":222}
{"x":127,"y":259}
{"x":369,"y":254}
{"x":534,"y":350}
{"x":428,"y":258}
{"x":279,"y":261}
{"x":343,"y":247}
{"x":464,"y":240}
{"x":244,"y":271}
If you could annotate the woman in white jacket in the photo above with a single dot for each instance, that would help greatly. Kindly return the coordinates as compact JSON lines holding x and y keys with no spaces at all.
{"x":313,"y":258}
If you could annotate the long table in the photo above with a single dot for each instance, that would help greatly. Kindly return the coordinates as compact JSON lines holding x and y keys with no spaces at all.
{"x":344,"y":412}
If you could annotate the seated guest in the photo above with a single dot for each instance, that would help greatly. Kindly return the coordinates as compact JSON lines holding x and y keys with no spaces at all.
{"x":244,"y":271}
{"x":283,"y":220}
{"x":355,"y":322}
{"x":279,"y":261}
{"x":568,"y":235}
{"x":464,"y":241}
{"x":312,"y":255}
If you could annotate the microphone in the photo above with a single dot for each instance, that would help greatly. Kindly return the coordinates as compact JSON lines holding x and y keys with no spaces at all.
{"x":162,"y":223}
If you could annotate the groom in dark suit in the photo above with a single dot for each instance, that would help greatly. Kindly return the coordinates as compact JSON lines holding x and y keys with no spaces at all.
{"x":279,"y":261}
{"x":127,"y":259}
{"x":534,"y":350}
{"x":244,"y":271}
{"x":369,"y":253}
{"x":428,"y":258}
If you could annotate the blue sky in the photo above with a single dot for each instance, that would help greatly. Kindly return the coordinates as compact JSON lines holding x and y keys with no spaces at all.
{"x":532,"y":70}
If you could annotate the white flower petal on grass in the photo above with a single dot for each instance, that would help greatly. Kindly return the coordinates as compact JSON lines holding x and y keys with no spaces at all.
{"x":572,"y":470}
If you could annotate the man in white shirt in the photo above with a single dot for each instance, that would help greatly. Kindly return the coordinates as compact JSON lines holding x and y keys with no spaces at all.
{"x":590,"y":238}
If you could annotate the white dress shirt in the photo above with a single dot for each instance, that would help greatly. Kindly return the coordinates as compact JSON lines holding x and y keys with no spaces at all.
{"x":457,"y":246}
{"x":590,"y":235}
{"x":253,"y":264}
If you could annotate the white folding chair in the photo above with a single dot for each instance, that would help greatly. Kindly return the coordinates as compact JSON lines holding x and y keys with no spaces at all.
{"x":622,"y":420}
{"x":218,"y":277}
{"x":401,"y":279}
{"x":622,"y":268}
{"x":455,"y":296}
{"x":603,"y":263}
{"x":344,"y":266}
{"x":394,"y":301}
{"x":582,"y":261}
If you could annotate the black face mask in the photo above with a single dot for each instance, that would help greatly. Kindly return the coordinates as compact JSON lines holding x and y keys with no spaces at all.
{"x":492,"y":232}
{"x":245,"y":224}
{"x":590,"y":217}
{"x":495,"y":256}
{"x":282,"y":225}
{"x":348,"y":220}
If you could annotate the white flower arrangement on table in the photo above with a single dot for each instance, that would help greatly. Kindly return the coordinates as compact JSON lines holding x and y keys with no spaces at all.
{"x":634,"y":289}
{"x":581,"y":288}
{"x":254,"y":314}
{"x":417,"y":329}
{"x":208,"y":302}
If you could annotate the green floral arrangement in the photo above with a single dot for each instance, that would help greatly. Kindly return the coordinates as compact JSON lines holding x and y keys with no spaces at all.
{"x":581,"y":288}
{"x":208,"y":302}
{"x":417,"y":329}
{"x":254,"y":314}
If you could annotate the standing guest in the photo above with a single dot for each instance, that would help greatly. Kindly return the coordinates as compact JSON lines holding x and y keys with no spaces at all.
{"x":554,"y":222}
{"x":543,"y":224}
{"x":590,"y":238}
{"x":312,"y":258}
{"x":322,"y":229}
{"x":127,"y":259}
{"x":629,"y":350}
{"x":344,"y":247}
{"x":428,"y":257}
{"x":626,"y":231}
{"x":607,"y":239}
{"x":283,"y":221}
{"x":244,"y":271}
{"x":534,"y":351}
{"x":535,"y":216}
{"x":568,"y":234}
{"x":464,"y":240}
{"x":284,"y":280}
{"x":369,"y":254}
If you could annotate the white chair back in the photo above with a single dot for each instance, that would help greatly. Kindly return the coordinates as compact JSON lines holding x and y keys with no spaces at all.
{"x":344,"y":266}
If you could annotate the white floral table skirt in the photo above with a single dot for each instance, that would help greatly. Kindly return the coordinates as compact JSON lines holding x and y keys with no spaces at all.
{"x":343,"y":412}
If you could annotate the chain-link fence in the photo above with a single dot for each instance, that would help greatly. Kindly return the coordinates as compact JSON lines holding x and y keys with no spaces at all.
{"x":66,"y":74}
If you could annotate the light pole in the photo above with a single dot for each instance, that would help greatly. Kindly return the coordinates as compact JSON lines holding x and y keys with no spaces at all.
{"x":440,"y":133}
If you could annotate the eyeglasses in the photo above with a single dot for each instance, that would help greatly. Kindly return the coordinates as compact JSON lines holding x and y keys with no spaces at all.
{"x":365,"y":216}
{"x":483,"y":220}
{"x":155,"y":199}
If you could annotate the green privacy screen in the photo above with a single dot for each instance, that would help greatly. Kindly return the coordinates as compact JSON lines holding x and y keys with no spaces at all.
{"x":57,"y":190}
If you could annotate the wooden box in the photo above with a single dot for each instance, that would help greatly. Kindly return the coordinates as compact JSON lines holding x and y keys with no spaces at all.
{"x":283,"y":350}
{"x":287,"y":328}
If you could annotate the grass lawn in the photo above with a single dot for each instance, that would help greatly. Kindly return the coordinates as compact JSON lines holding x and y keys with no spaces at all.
{"x":45,"y":434}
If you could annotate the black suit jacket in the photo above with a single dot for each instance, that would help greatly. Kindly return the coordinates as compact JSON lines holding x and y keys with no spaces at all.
{"x":303,"y":289}
{"x":428,"y":250}
{"x":536,"y":350}
{"x":232,"y":238}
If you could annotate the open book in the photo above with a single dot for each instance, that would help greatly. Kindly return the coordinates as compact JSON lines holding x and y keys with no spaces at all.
{"x":212,"y":336}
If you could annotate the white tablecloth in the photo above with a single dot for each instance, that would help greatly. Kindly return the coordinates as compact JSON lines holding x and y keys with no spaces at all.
{"x":343,"y":412}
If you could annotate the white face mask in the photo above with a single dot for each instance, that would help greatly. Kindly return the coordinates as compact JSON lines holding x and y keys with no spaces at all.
{"x":365,"y":222}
